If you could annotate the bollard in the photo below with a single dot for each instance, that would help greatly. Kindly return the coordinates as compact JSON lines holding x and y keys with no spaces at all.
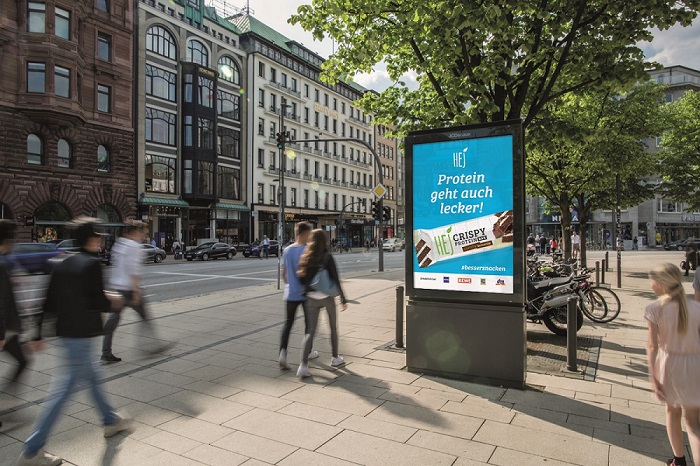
{"x":399,"y":316}
{"x":607,"y":261}
{"x":602,"y":271}
{"x":571,"y":324}
{"x":597,"y":273}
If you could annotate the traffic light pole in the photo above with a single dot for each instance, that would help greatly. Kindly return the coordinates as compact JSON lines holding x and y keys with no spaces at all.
{"x":380,"y":178}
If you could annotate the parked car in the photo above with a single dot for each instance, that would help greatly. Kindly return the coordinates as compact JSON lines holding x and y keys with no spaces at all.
{"x":34,"y":257}
{"x":255,"y":249}
{"x":680,"y":245}
{"x":65,"y":244}
{"x":210,"y":250}
{"x":393,"y":244}
{"x":153,"y":253}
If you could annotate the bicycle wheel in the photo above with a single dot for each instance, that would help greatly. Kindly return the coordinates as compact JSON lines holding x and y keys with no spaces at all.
{"x":611,"y":300}
{"x":593,"y":306}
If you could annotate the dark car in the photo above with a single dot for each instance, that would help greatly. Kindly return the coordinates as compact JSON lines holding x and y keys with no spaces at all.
{"x":211,"y":250}
{"x":34,"y":257}
{"x":255,"y":249}
{"x":153,"y":253}
{"x":681,"y":244}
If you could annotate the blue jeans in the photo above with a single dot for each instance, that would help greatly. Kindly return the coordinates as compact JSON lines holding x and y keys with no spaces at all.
{"x":82,"y":366}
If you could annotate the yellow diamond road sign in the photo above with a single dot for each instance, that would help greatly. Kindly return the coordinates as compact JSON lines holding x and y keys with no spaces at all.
{"x":379,"y":190}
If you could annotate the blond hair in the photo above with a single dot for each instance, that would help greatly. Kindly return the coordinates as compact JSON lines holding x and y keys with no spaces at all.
{"x":669,"y":276}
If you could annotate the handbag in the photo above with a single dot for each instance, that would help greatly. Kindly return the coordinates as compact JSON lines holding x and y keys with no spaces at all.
{"x":323,"y":283}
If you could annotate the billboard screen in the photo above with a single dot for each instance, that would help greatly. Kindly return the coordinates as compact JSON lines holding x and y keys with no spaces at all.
{"x":464,"y":210}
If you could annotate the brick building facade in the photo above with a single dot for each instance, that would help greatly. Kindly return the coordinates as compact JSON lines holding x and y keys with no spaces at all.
{"x":67,"y":145}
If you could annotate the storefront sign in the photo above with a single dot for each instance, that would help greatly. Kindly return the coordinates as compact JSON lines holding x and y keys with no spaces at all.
{"x":691,"y":217}
{"x":320,"y":108}
{"x":463,"y":215}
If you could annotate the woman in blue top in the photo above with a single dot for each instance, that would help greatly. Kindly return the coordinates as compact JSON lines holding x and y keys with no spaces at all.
{"x":315,"y":257}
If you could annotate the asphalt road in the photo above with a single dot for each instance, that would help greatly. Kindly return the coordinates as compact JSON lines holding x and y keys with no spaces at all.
{"x":173,"y":279}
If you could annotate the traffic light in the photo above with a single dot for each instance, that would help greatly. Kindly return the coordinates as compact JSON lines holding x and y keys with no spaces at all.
{"x":280,"y":140}
{"x":375,"y":210}
{"x":386,"y":214}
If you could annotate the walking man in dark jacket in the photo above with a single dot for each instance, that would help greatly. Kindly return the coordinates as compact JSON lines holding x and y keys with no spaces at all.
{"x":76,"y":297}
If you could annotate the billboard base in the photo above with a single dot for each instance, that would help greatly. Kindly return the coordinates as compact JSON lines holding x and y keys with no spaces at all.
{"x":479,"y":343}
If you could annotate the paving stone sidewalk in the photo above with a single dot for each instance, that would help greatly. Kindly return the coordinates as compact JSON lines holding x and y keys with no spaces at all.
{"x":218,"y":396}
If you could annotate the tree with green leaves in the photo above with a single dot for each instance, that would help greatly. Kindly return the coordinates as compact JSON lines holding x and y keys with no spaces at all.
{"x":490,"y":60}
{"x":679,"y":162}
{"x":580,"y":144}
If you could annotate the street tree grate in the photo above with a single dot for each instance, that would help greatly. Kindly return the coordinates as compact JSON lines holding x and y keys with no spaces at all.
{"x":546,"y":354}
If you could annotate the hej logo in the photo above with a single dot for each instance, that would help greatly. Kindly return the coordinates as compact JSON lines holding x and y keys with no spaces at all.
{"x":443,"y":245}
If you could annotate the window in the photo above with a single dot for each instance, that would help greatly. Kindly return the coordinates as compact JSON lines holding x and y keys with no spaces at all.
{"x":293,"y":197}
{"x":261,"y":70}
{"x":273,"y":75}
{"x":668,"y":205}
{"x":229,"y":183}
{"x":104,"y":47}
{"x":306,"y":198}
{"x":35,"y":150}
{"x":293,"y":86}
{"x":63,"y":23}
{"x":261,"y":193}
{"x":273,"y":129}
{"x":315,"y":95}
{"x":64,"y":153}
{"x":197,"y":53}
{"x":273,"y":194}
{"x":273,"y":160}
{"x":206,"y":92}
{"x":306,"y":115}
{"x":206,"y":177}
{"x":283,"y":80}
{"x":103,"y":5}
{"x":228,"y":105}
{"x":261,"y":158}
{"x":62,"y":81}
{"x":160,"y":126}
{"x":36,"y":17}
{"x":228,"y":70}
{"x":103,"y":98}
{"x":188,"y":88}
{"x":160,"y":41}
{"x":229,"y":143}
{"x":205,"y":133}
{"x":160,"y":174}
{"x":160,"y":83}
{"x":187,"y":177}
{"x":325,"y":99}
{"x":335,"y":103}
{"x":261,"y":126}
{"x":187,"y":129}
{"x":273,"y":102}
{"x":261,"y":98}
{"x":36,"y":77}
{"x":193,"y":3}
{"x":306,"y":90}
{"x":103,"y":162}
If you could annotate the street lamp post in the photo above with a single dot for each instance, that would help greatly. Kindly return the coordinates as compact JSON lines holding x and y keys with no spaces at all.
{"x":281,"y":142}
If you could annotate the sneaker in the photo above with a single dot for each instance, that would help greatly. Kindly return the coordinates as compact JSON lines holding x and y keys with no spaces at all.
{"x":122,"y":424}
{"x":303,"y":371}
{"x":40,"y":459}
{"x":109,"y":359}
{"x":313,"y":354}
{"x":283,"y":360}
{"x":337,"y":361}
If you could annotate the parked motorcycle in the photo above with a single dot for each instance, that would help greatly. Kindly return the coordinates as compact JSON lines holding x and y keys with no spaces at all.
{"x":547,"y":300}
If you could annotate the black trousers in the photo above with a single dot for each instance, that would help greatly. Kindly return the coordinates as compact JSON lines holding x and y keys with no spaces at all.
{"x":287,"y":328}
{"x":13,"y":347}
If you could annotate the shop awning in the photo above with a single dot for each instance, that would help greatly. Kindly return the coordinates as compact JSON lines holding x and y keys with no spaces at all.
{"x":227,"y":206}
{"x":163,"y":201}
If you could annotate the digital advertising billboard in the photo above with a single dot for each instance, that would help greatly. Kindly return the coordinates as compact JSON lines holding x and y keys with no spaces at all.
{"x":465,"y":210}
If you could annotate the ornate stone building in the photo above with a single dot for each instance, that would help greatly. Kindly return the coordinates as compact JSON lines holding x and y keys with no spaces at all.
{"x":66,"y":145}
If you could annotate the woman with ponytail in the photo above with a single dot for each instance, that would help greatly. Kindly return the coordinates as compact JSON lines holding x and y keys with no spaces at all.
{"x":673,"y":352}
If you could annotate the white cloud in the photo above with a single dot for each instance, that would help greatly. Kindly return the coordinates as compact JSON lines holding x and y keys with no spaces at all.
{"x":675,"y":46}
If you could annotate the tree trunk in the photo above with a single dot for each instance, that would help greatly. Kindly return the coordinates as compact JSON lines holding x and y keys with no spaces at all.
{"x":565,"y":227}
{"x":583,"y":216}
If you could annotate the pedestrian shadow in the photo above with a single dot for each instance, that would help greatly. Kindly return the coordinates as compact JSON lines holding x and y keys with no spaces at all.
{"x":112,"y":448}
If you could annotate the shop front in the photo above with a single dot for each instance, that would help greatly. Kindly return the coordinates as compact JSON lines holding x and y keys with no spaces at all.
{"x":232,"y":223}
{"x":688,"y":227}
{"x":164,"y":218}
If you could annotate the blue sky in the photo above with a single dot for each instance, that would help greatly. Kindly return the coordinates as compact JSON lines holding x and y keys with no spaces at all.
{"x":676,"y":46}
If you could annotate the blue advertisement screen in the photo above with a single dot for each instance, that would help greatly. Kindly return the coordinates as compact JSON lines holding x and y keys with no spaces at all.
{"x":463,"y":215}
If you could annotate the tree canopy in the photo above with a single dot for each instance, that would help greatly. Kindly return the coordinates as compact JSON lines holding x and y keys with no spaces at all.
{"x":580,"y":144}
{"x":489,"y":60}
{"x":680,"y":160}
